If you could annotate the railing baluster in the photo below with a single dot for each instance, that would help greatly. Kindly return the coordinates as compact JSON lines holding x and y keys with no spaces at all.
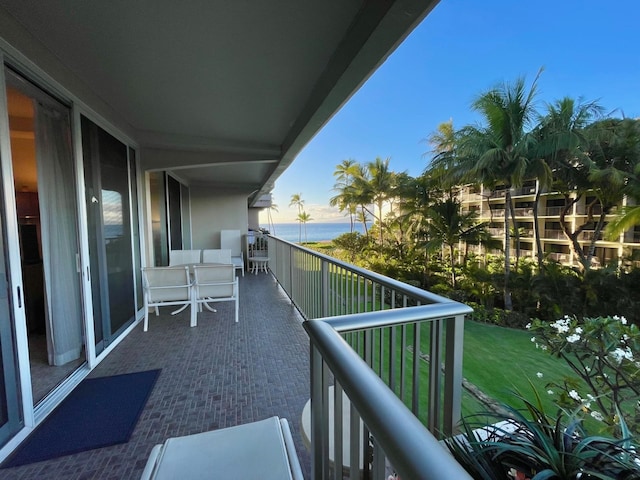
{"x":435,"y":376}
{"x":416,"y":370}
{"x":337,"y":431}
{"x":453,"y":378}
{"x":354,"y":443}
{"x":393,"y":345}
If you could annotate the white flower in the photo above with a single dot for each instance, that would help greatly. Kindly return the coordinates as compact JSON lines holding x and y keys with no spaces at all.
{"x":543,"y":347}
{"x":623,"y":320}
{"x":597,"y":415}
{"x":528,"y":326}
{"x":550,"y":392}
{"x":573,"y":394}
{"x":533,"y":339}
{"x":587,"y":368}
{"x":621,"y":353}
{"x":573,"y":338}
{"x":562,"y":325}
{"x":539,"y":375}
{"x":616,"y":317}
{"x":578,"y":330}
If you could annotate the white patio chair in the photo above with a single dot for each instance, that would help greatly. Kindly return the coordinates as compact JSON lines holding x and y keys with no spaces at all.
{"x":184,"y":257}
{"x":165,"y":286}
{"x":232,"y":239}
{"x":213,"y":283}
{"x":217,"y":255}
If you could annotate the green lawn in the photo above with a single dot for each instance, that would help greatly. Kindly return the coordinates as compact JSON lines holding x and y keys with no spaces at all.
{"x":500,"y":360}
{"x":497,"y":360}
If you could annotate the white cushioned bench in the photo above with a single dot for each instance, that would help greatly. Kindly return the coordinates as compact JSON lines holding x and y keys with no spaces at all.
{"x":261,"y":450}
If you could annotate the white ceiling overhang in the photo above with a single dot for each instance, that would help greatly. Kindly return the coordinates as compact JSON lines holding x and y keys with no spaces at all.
{"x":221,"y":92}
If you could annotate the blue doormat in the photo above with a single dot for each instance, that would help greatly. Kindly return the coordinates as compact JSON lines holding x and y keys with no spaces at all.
{"x":100,"y":412}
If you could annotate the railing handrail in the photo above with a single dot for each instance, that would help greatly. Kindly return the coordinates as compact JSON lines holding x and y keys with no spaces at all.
{"x":412,"y":449}
{"x":410,"y":290}
{"x":397,"y":316}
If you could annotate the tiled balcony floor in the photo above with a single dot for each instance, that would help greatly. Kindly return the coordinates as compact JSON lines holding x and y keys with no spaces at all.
{"x":215,"y":375}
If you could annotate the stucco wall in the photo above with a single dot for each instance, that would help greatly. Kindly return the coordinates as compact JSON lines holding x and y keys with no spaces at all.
{"x":214,"y":210}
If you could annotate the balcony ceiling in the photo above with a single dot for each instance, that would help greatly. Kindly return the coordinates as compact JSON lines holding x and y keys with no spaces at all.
{"x":244,"y":85}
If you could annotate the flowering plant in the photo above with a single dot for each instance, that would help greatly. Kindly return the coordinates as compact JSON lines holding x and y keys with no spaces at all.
{"x":530,"y":444}
{"x":604,"y":353}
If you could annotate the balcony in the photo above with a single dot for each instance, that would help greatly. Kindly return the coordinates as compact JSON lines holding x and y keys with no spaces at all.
{"x":554,"y":234}
{"x":590,"y":235}
{"x":554,"y":211}
{"x":558,"y":257}
{"x":523,"y":191}
{"x":523,"y":212}
{"x":222,"y":373}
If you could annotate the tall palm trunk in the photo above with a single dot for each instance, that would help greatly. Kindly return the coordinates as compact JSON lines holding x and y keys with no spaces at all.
{"x":508,"y":304}
{"x":453,"y":266}
{"x":536,"y":231}
{"x":516,"y":232}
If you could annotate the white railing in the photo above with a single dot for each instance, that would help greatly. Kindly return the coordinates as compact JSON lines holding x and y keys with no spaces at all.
{"x":408,"y":338}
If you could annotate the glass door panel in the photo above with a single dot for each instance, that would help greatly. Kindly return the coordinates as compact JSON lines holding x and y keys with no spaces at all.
{"x":10,"y":412}
{"x":46,"y":204}
{"x":175,"y":212}
{"x":109,"y":208}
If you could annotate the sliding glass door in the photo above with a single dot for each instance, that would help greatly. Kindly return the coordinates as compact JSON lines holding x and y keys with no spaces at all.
{"x":10,"y":412}
{"x":44,"y":178}
{"x":111,"y":238}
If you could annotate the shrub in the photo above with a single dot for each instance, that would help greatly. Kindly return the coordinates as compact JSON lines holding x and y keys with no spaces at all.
{"x":603,"y":353}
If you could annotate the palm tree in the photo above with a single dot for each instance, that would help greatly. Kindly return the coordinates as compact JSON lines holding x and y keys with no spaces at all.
{"x":613,"y":158}
{"x":303,"y":218}
{"x":297,"y":201}
{"x":629,"y":216}
{"x":272,"y":227}
{"x":449,"y":226}
{"x":498,"y":153}
{"x":561,"y":142}
{"x":375,"y":187}
{"x":345,"y":173}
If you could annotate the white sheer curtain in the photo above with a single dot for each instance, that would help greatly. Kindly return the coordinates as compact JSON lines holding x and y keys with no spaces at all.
{"x":58,"y":220}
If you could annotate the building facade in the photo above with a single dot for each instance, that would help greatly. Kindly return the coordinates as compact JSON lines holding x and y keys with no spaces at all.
{"x":490,"y":204}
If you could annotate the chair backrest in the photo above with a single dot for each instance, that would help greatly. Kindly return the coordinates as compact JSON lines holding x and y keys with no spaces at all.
{"x":217,"y":255}
{"x":184,"y":257}
{"x":164,"y":284}
{"x":214,"y":281}
{"x":259,"y":253}
{"x":232,"y":240}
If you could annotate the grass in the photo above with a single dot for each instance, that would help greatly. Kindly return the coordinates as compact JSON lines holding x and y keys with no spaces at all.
{"x":499,"y":361}
{"x":502,"y":360}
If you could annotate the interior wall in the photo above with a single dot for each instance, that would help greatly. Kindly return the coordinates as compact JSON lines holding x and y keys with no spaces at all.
{"x":212,"y":211}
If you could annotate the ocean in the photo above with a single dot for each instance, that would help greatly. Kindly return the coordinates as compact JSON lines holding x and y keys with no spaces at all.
{"x":316,"y":232}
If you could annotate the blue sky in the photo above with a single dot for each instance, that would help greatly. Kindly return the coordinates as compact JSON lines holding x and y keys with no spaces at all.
{"x":588,"y":49}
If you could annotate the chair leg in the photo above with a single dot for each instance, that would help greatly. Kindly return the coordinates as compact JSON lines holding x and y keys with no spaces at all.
{"x":236,"y":309}
{"x":194,"y":314}
{"x":146,"y":318}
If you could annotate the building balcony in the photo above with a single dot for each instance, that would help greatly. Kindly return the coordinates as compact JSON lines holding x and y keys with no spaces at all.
{"x":523,"y":191}
{"x":558,"y":257}
{"x":221,"y":373}
{"x":524,"y":212}
{"x":554,"y":234}
{"x":554,"y":211}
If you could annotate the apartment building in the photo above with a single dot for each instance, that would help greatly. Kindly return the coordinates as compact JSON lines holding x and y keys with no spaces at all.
{"x":490,"y":206}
